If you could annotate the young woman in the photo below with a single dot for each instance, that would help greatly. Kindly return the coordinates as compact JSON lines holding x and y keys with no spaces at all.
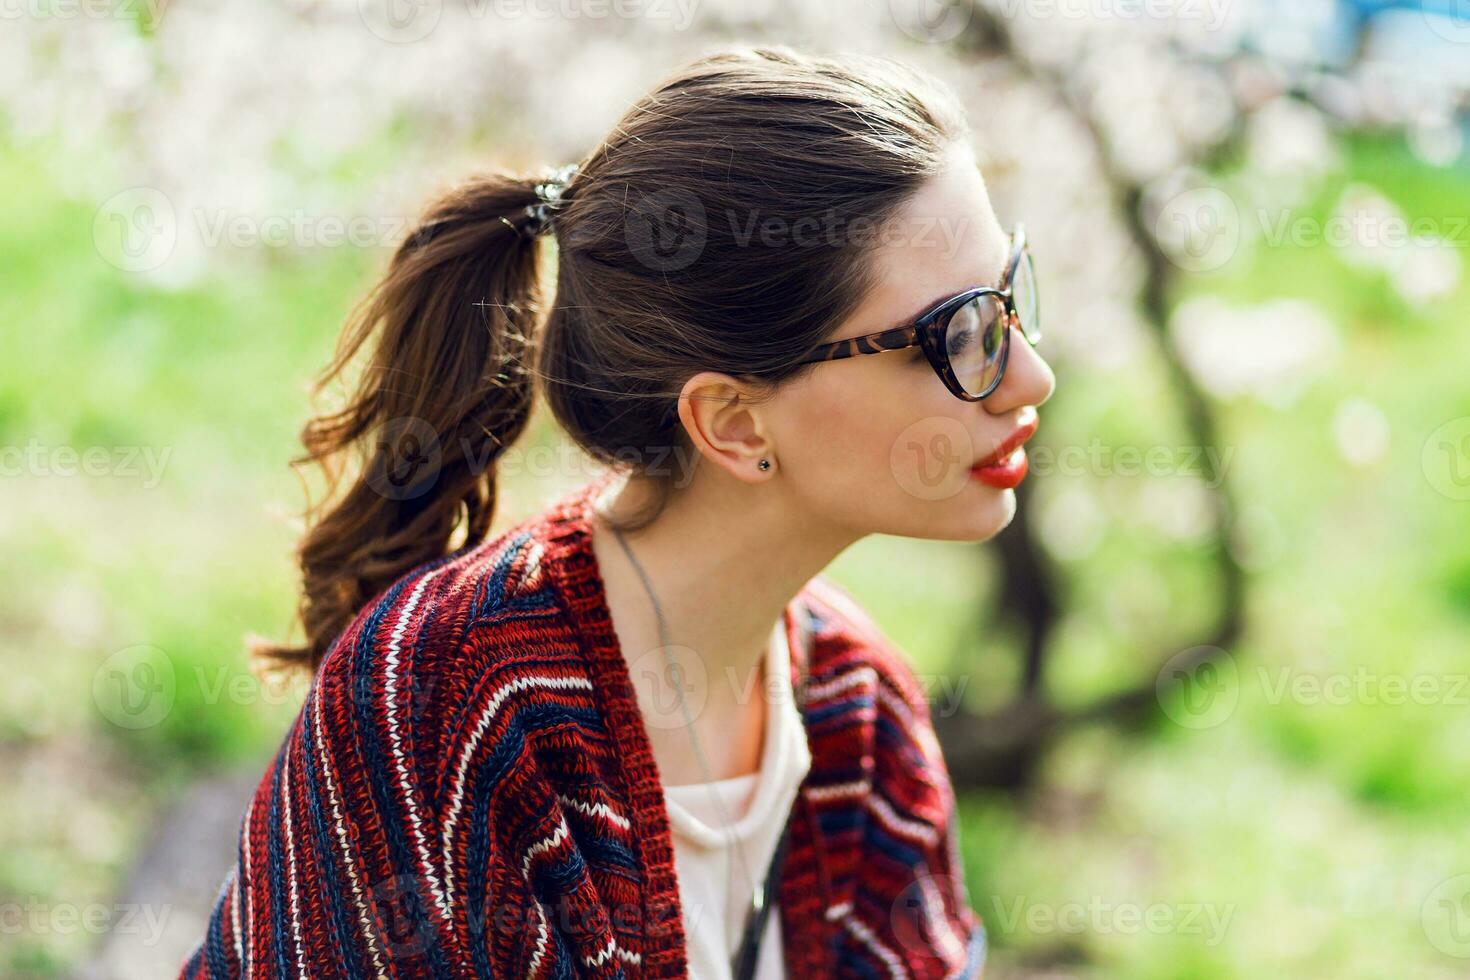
{"x":639,"y":733}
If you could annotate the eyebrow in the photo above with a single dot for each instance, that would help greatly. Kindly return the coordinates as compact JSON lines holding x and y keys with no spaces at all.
{"x":994,"y":283}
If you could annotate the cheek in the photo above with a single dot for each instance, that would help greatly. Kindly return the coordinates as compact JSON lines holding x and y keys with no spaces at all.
{"x":930,"y":453}
{"x":890,"y":428}
{"x":836,"y":429}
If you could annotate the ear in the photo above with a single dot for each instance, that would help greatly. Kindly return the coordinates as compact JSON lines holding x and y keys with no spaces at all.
{"x":725,"y":423}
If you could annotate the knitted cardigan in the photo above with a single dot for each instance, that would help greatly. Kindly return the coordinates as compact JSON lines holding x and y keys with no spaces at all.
{"x":469,"y":790}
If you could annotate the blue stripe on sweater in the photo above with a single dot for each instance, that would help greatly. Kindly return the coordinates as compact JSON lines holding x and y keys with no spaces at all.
{"x":402,"y":863}
{"x":333,"y":886}
{"x":491,"y":591}
{"x":815,"y":716}
{"x":838,"y":820}
{"x":900,"y":849}
{"x":484,"y":778}
{"x":275,"y":849}
{"x":214,"y":937}
{"x":247,"y":949}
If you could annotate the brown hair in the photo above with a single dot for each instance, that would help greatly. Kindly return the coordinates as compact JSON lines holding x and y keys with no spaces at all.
{"x":718,"y":227}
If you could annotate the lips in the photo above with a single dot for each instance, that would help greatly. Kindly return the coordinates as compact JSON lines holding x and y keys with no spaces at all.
{"x":1005,"y":468}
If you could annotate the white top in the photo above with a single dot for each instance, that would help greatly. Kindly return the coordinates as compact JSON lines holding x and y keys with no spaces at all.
{"x":715,"y":887}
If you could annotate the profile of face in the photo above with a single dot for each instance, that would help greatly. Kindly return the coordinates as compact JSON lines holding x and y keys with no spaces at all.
{"x":877,"y":443}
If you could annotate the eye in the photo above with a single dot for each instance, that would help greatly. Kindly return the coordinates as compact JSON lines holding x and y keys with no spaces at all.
{"x":957,"y":341}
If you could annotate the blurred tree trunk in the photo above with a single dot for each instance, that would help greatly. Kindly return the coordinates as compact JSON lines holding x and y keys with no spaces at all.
{"x":1001,"y":748}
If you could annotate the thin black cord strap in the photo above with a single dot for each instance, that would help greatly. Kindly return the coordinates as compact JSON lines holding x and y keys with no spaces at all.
{"x":742,"y":966}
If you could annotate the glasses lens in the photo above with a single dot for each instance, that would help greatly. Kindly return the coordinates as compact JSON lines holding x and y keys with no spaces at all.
{"x":1023,"y":289}
{"x":973,"y":341}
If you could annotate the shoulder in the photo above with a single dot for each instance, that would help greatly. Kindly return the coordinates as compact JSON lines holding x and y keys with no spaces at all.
{"x":904,"y":802}
{"x":427,"y":611}
{"x":858,"y":670}
{"x":429,"y":649}
{"x":846,"y":638}
{"x":438,"y":609}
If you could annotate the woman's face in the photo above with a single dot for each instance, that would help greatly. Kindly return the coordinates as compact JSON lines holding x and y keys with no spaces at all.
{"x":876,"y":443}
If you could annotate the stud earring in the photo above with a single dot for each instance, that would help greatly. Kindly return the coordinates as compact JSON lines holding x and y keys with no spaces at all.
{"x":765,"y":464}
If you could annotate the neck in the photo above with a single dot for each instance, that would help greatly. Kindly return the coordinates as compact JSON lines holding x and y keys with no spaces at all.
{"x":724,"y":558}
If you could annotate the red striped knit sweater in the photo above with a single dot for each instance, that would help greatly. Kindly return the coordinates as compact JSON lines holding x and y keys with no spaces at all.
{"x":469,"y":790}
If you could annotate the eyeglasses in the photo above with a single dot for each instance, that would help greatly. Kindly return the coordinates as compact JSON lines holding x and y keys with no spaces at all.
{"x":966,"y":338}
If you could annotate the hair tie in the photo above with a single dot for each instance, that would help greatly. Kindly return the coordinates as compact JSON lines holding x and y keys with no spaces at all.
{"x":548,"y":192}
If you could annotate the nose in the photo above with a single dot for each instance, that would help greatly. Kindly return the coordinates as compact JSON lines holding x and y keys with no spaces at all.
{"x":1028,"y":380}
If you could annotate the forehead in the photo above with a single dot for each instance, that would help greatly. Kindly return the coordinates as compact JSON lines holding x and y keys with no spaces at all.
{"x":945,"y":240}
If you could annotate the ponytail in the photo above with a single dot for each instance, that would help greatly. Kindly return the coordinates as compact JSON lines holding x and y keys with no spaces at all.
{"x":445,"y":390}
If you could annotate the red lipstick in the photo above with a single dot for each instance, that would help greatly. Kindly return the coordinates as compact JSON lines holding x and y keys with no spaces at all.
{"x":1006,"y":467}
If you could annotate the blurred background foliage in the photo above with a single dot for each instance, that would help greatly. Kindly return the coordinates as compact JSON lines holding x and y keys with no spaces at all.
{"x":1244,"y":217}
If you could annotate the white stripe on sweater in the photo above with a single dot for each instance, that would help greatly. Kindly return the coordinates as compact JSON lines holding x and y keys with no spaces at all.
{"x":865,"y":675}
{"x":541,"y":933}
{"x":597,"y":810}
{"x":396,"y":740}
{"x":916,"y":830}
{"x":235,"y":912}
{"x":326,"y":770}
{"x":456,"y":798}
{"x":608,"y":952}
{"x":560,"y":836}
{"x":856,"y":787}
{"x":868,"y":939}
{"x":249,"y":919}
{"x":899,"y":707}
{"x":291,"y":861}
{"x":835,"y":912}
{"x":952,"y":947}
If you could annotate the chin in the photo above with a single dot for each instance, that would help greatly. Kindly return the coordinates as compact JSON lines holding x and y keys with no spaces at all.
{"x":975,"y":515}
{"x":994,"y":515}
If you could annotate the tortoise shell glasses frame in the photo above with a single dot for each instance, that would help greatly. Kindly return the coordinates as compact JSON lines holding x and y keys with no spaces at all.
{"x":989,"y":313}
